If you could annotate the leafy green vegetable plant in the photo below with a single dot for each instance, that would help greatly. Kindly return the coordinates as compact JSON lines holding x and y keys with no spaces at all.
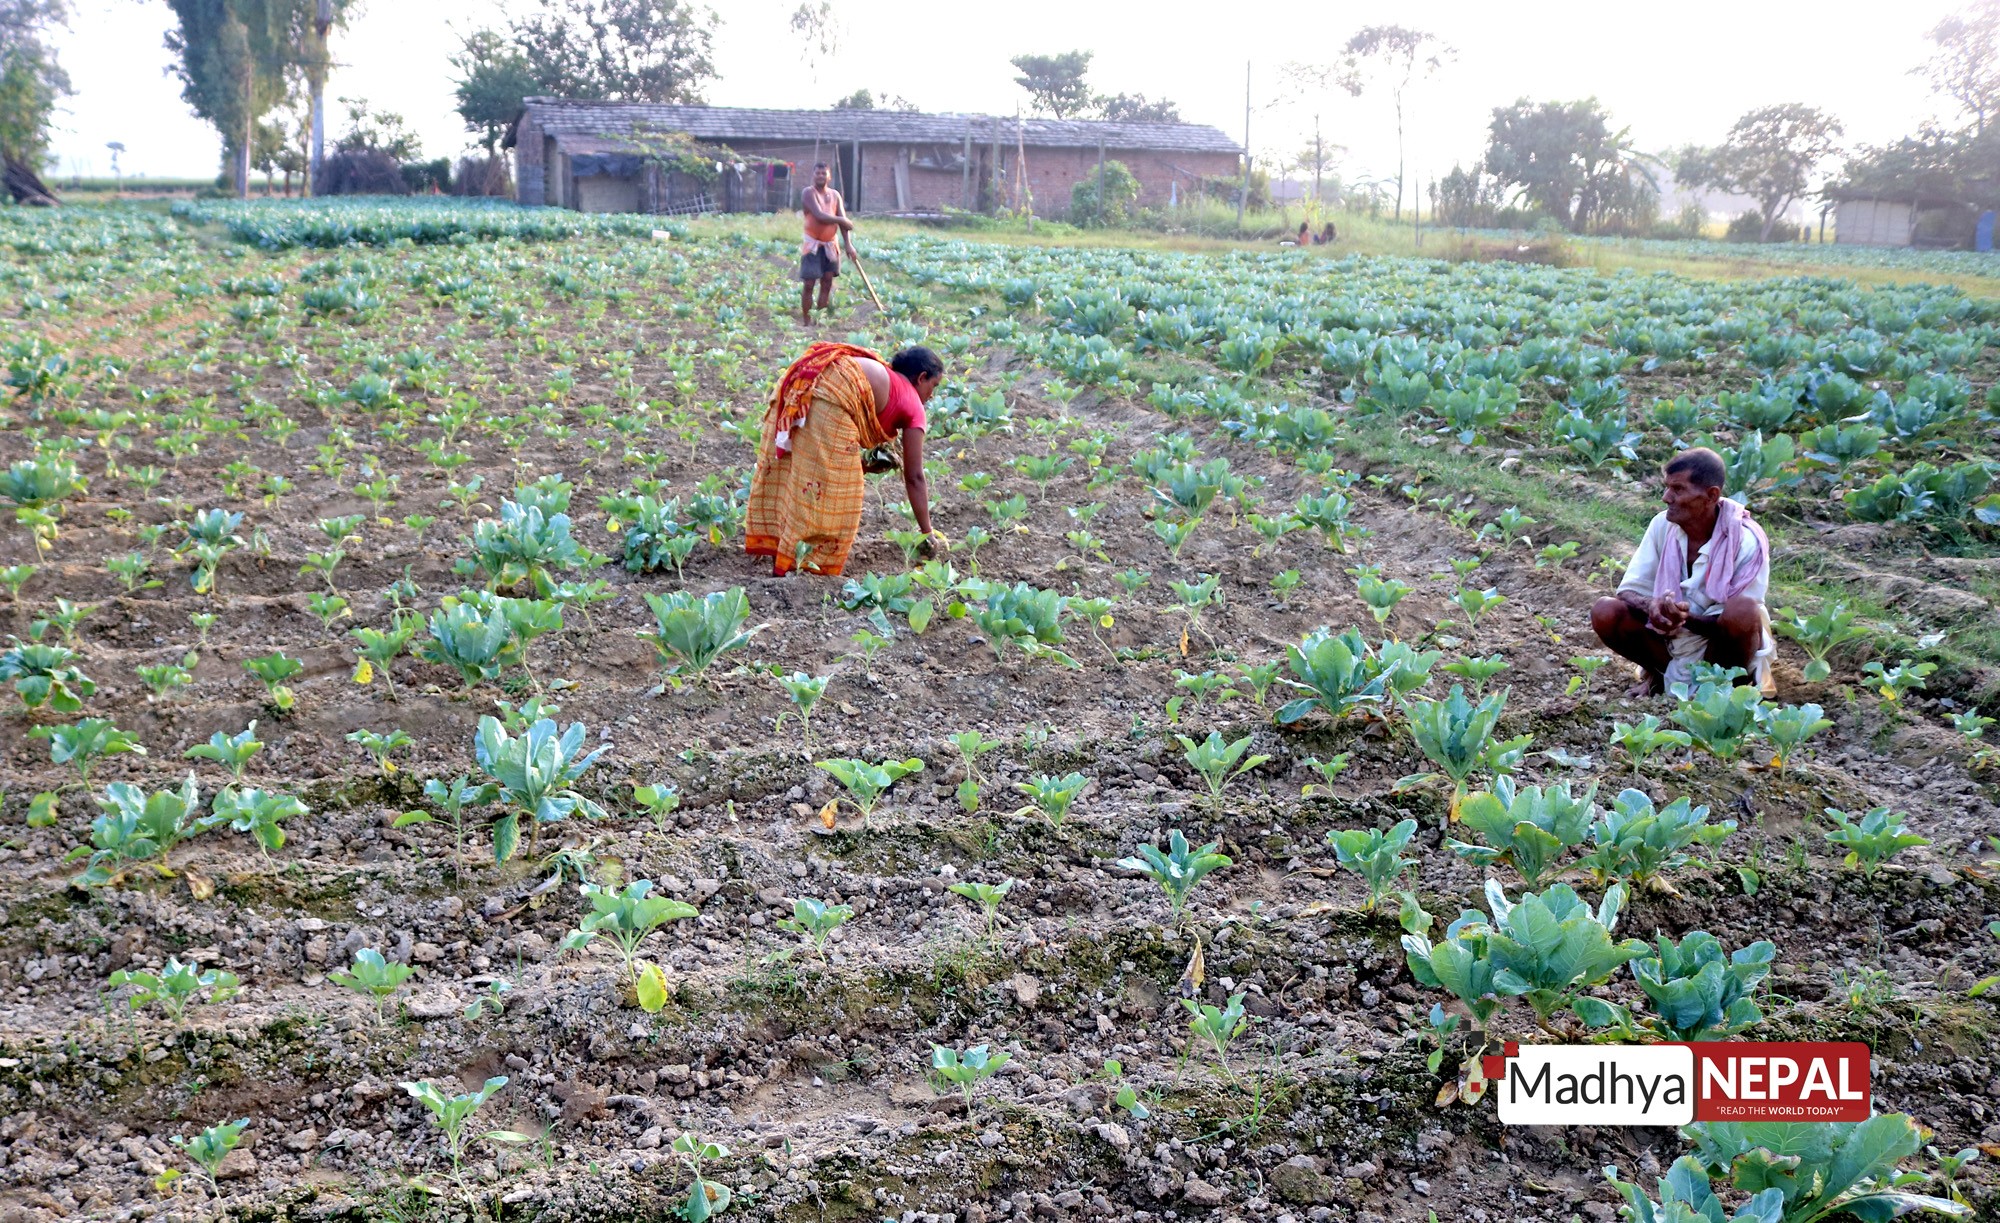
{"x":380,"y":745}
{"x":1639,"y":844}
{"x":1546,"y":948}
{"x":45,"y":676}
{"x":966,"y":1069}
{"x":232,"y":752}
{"x":1642,"y":738}
{"x":450,"y":1113}
{"x":1873,"y":839}
{"x":1052,"y":796}
{"x":1819,"y":634}
{"x":208,"y":1149}
{"x":1179,"y":869}
{"x":865,"y":782}
{"x":1788,"y":727}
{"x":535,"y":772}
{"x":175,"y":987}
{"x":1720,"y":719}
{"x":988,"y":897}
{"x":1375,"y":855}
{"x":83,"y":743}
{"x":255,"y":812}
{"x":136,"y":826}
{"x":1694,"y":990}
{"x":1457,"y":736}
{"x":1337,"y":672}
{"x":1217,"y":1026}
{"x":693,"y":631}
{"x":817,"y":920}
{"x":1218,"y":761}
{"x":1819,"y":1169}
{"x":274,"y":670}
{"x":627,"y":917}
{"x":374,"y":976}
{"x":1894,"y":683}
{"x":1527,"y":828}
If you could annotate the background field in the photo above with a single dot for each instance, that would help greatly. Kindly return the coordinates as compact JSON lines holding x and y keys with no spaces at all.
{"x":295,"y":365}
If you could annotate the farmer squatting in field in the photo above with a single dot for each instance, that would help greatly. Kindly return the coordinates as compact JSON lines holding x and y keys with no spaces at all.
{"x":819,"y":259}
{"x":833,"y":405}
{"x":1678,"y":605}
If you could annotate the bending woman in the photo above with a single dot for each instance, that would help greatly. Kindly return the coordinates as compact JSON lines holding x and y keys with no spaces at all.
{"x":832,"y":404}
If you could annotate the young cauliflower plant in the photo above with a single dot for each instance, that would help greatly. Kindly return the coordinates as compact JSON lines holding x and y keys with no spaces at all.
{"x":1527,"y":828}
{"x":1694,"y":991}
{"x":1639,"y":844}
{"x":175,"y":987}
{"x":628,"y":918}
{"x":816,"y":920}
{"x":1218,"y":761}
{"x":450,"y":1112}
{"x":1177,"y":870}
{"x":692,"y":631}
{"x":966,"y":1069}
{"x":1052,"y":796}
{"x":207,"y":1150}
{"x":1375,"y":855}
{"x":534,"y":772}
{"x":373,"y":975}
{"x":865,"y":782}
{"x":136,"y":826}
{"x":1873,"y":839}
{"x":1457,"y":736}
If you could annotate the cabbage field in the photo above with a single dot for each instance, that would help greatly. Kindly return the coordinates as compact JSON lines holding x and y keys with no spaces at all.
{"x":417,"y":806}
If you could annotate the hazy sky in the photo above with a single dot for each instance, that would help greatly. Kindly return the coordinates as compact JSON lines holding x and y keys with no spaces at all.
{"x":1675,"y":75}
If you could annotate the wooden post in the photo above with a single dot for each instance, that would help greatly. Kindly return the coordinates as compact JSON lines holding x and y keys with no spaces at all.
{"x":855,"y":197}
{"x":1023,"y":195}
{"x":965,"y":171}
{"x":993,"y":170}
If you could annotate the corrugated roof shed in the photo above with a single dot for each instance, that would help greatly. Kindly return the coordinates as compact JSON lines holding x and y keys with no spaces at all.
{"x":723,"y":124}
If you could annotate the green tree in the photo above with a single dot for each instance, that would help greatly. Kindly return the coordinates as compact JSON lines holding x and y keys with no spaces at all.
{"x":860,"y":99}
{"x":372,"y":131}
{"x":493,"y":78}
{"x":1135,"y":108}
{"x":1769,"y":155}
{"x":1966,"y":65}
{"x":1056,"y":84}
{"x":31,"y":79}
{"x":233,"y":59}
{"x":1121,"y":189}
{"x":1564,"y":158}
{"x":1395,"y":56}
{"x":620,"y":50}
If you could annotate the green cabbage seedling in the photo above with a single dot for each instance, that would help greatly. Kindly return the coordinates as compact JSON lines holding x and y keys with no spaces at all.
{"x":451,"y":1112}
{"x":968,"y":1068}
{"x":1217,"y":762}
{"x":83,"y":743}
{"x":1822,"y":1169}
{"x":1052,"y":796}
{"x":374,"y":976}
{"x":1694,"y":991}
{"x":817,"y":920}
{"x":865,"y":782}
{"x":1457,"y":736}
{"x":1177,"y":870}
{"x":1527,"y":828}
{"x":1217,"y":1026}
{"x":1639,"y":844}
{"x":176,"y":986}
{"x":1873,"y":839}
{"x":1375,"y":855}
{"x":208,"y":1149}
{"x":627,"y":917}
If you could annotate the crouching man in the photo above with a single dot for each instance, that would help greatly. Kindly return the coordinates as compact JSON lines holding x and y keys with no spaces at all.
{"x":1695,"y":588}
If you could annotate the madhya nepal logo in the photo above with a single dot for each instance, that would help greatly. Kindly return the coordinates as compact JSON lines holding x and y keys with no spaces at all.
{"x":1676,"y":1084}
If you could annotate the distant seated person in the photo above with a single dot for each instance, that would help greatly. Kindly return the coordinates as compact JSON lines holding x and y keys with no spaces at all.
{"x":1305,"y":237}
{"x":1679,"y":604}
{"x":1326,"y":235}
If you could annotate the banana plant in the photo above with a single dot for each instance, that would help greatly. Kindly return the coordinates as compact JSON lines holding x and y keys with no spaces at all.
{"x":692,"y":631}
{"x":1457,"y":736}
{"x":1375,"y":855}
{"x":626,"y":917}
{"x":1179,"y":869}
{"x":1639,"y":844}
{"x":1527,"y":828}
{"x":1217,"y":761}
{"x":534,"y":772}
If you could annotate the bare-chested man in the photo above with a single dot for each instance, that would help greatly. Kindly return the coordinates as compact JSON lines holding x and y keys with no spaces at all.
{"x":819,"y":259}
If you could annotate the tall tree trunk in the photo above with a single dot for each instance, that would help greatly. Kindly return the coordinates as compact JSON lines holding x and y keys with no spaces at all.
{"x":316,"y":72}
{"x":1399,"y":154}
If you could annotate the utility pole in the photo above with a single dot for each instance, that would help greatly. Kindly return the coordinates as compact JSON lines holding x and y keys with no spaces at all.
{"x":1319,"y":159}
{"x":1243,"y":196}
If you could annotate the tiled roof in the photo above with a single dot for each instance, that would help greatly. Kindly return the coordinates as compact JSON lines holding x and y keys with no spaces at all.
{"x":726,"y":123}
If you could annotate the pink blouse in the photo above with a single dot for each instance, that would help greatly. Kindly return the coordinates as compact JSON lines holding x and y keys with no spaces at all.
{"x":905,"y":410}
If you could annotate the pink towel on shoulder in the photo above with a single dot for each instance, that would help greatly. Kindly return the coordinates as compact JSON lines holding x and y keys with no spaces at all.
{"x":1725,"y":579}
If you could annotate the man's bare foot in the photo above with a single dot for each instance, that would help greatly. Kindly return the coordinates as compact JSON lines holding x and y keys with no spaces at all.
{"x":1648,"y":685}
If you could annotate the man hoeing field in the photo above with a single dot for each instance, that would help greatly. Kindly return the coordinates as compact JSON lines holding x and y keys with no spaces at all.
{"x":1695,"y":589}
{"x":819,"y":259}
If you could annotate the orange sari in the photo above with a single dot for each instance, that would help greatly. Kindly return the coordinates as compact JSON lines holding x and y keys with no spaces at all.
{"x":807,"y":492}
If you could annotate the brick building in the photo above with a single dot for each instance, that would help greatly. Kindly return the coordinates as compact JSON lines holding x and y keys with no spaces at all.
{"x":593,"y":157}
